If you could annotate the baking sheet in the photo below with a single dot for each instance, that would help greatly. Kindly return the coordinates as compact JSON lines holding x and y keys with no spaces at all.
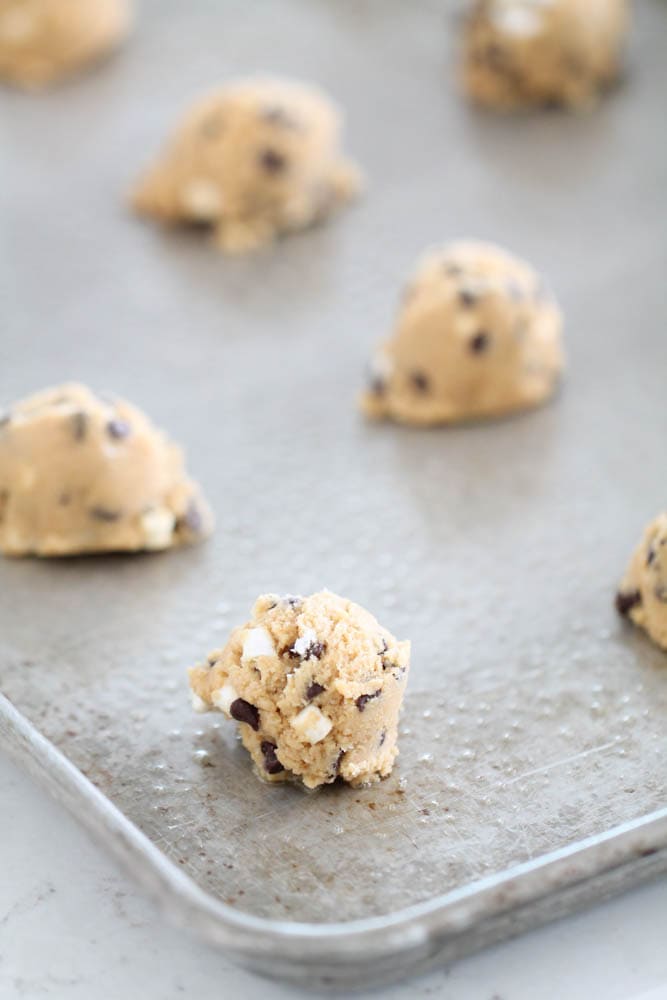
{"x":534,"y":719}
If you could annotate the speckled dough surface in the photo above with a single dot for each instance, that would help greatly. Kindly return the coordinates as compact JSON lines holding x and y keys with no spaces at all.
{"x":478,"y":334}
{"x":523,"y":53}
{"x":80,"y":473}
{"x":642,"y":595}
{"x":316,"y":685}
{"x":42,"y":41}
{"x":254,"y":159}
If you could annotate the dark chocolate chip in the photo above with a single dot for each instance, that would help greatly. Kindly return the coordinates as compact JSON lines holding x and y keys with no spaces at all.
{"x":5,"y":418}
{"x":467,"y":297}
{"x":399,"y":672}
{"x":271,"y":763}
{"x":243,"y":711}
{"x":385,"y":647}
{"x":79,"y":425}
{"x":274,"y":114}
{"x":383,"y":736}
{"x":650,"y":555}
{"x":314,"y":651}
{"x":272,"y":161}
{"x":363,"y":699}
{"x":192,"y":520}
{"x":627,"y":600}
{"x":388,"y":665}
{"x":479,"y":343}
{"x":104,"y":514}
{"x":313,"y":690}
{"x":336,"y":764}
{"x":420,"y":381}
{"x":118,"y":429}
{"x":292,"y":600}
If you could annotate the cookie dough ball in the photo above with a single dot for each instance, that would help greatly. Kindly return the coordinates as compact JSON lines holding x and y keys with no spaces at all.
{"x":316,"y":686}
{"x":80,"y":473}
{"x":526,"y":53}
{"x":642,"y":595}
{"x":252,"y":160}
{"x":42,"y":41}
{"x":477,"y":335}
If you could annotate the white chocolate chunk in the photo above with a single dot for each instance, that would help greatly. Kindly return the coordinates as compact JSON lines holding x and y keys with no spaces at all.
{"x":257,"y":642}
{"x":305,"y":641}
{"x":224,"y":696}
{"x":311,"y":724}
{"x":202,"y":199}
{"x":198,"y":704}
{"x":158,"y":527}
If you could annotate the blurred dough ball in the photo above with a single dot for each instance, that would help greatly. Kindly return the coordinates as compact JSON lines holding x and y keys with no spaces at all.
{"x":478,"y":334}
{"x":42,"y":41}
{"x":526,"y":53}
{"x":252,"y":160}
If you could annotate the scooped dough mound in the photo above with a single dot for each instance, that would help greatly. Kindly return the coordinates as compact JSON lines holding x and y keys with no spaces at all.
{"x":253,"y":160}
{"x":81,"y":473}
{"x":642,"y":595}
{"x":316,"y":686}
{"x":526,"y":53}
{"x":477,"y":335}
{"x":42,"y":41}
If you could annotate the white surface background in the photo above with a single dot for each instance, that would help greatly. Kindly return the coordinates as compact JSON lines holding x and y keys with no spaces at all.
{"x":73,"y":927}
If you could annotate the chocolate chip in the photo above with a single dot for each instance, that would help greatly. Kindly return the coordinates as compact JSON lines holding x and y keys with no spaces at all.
{"x":313,"y":690}
{"x":243,"y":711}
{"x":292,"y":600}
{"x":420,"y":381}
{"x":467,"y":297}
{"x":104,"y":514}
{"x":383,"y":736}
{"x":385,"y":647}
{"x":65,"y":499}
{"x":388,"y":665}
{"x":118,"y":429}
{"x":627,"y":600}
{"x":272,"y":161}
{"x":5,"y":418}
{"x":271,"y":763}
{"x":650,"y":555}
{"x":363,"y":699}
{"x":479,"y":343}
{"x":192,"y":520}
{"x":335,"y":768}
{"x":274,"y":114}
{"x":314,"y":651}
{"x":79,"y":425}
{"x":377,"y":386}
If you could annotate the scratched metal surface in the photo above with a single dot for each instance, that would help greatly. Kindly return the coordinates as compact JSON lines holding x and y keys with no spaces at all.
{"x":534,"y":719}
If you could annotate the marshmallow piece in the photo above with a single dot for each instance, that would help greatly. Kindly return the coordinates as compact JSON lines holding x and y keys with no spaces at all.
{"x":257,"y":642}
{"x":202,"y":199}
{"x":311,"y":724}
{"x":158,"y":527}
{"x":224,"y":696}
{"x":305,"y":641}
{"x":198,"y":704}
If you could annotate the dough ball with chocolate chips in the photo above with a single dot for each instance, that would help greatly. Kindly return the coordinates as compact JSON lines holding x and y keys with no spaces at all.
{"x":642,"y":595}
{"x":80,"y":473}
{"x":527,"y":53}
{"x":252,"y":160}
{"x":42,"y":41}
{"x":316,"y":686}
{"x":477,"y":335}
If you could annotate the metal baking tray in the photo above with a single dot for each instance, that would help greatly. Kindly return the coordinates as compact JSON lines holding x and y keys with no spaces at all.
{"x":533,"y":768}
